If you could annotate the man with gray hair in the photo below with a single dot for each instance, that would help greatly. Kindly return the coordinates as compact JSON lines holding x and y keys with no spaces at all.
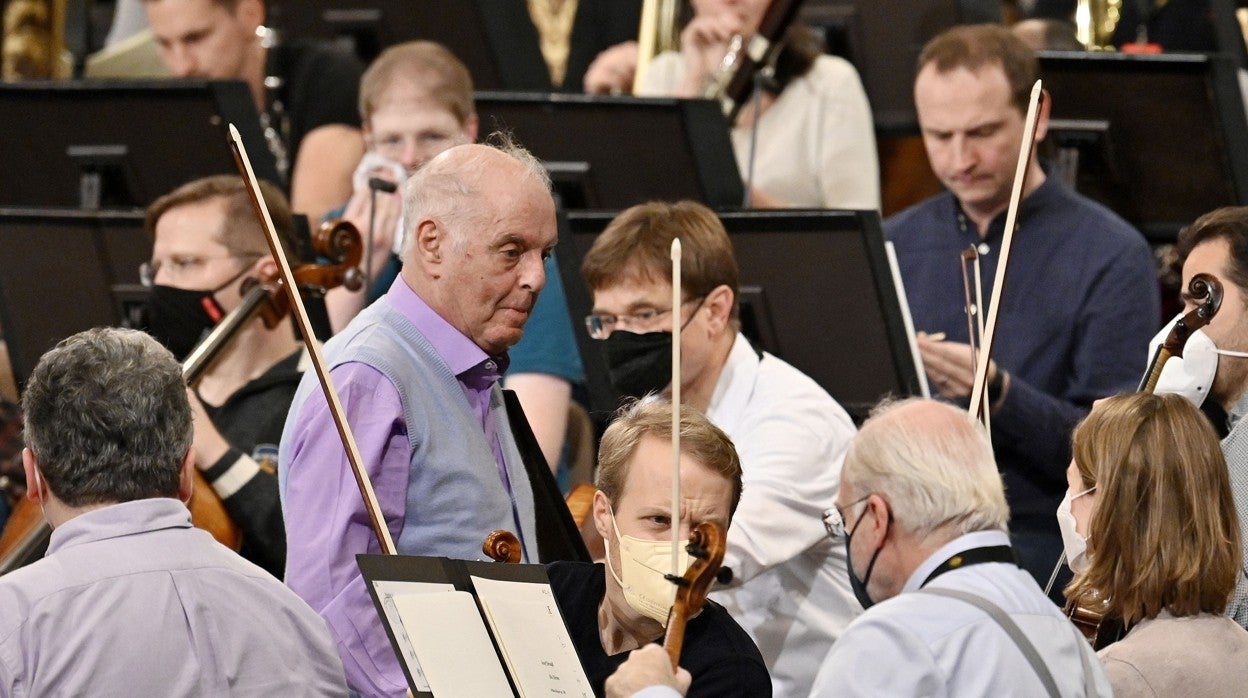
{"x":417,"y":373}
{"x":922,"y":513}
{"x":131,"y":600}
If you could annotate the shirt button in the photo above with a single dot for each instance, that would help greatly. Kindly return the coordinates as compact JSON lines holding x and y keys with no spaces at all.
{"x":984,"y":248}
{"x":491,"y":366}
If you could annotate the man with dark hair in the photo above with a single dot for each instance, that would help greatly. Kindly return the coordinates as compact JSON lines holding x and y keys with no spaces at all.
{"x":304,"y":92}
{"x":207,"y":245}
{"x":131,"y":600}
{"x":789,"y":590}
{"x":1080,"y":301}
{"x":417,"y":373}
{"x":1217,"y":245}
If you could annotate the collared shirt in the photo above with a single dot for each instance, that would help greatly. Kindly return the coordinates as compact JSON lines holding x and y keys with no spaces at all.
{"x":917,"y":644}
{"x":373,"y":407}
{"x":790,"y":590}
{"x":1079,"y":307}
{"x":1235,"y":449}
{"x":131,"y":600}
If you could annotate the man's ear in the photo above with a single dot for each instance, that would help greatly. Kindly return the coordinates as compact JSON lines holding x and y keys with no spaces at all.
{"x":428,"y":244}
{"x":881,"y":518}
{"x":34,"y":481}
{"x":602,"y":515}
{"x":250,"y":13}
{"x":718,"y":304}
{"x":266,"y":267}
{"x":471,"y":126}
{"x":186,"y":477}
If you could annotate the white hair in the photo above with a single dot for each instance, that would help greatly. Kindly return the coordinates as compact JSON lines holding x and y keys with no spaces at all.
{"x":934,"y":465}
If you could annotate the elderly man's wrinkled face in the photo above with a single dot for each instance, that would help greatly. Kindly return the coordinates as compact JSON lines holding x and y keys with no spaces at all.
{"x":494,"y":270}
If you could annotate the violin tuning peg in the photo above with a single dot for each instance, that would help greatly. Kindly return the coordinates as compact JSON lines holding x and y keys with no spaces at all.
{"x":724,"y":575}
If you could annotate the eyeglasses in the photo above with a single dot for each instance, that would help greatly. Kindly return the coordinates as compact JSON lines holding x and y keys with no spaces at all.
{"x":394,"y":145}
{"x":183,"y":266}
{"x":834,"y":521}
{"x":600,"y":326}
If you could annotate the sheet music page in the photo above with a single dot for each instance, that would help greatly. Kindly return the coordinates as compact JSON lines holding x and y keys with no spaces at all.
{"x":447,"y":633}
{"x":534,"y":641}
{"x":387,"y":591}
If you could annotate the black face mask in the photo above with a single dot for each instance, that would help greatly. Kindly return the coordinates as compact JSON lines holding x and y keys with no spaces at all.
{"x":638,"y":364}
{"x":859,"y":586}
{"x":179,"y":319}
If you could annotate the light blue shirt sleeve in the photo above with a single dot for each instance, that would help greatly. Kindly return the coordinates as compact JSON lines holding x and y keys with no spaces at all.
{"x":657,"y":692}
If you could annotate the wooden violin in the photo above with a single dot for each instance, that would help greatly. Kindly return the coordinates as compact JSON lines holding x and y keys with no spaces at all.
{"x":337,"y":241}
{"x":1206,"y":292}
{"x":707,"y":543}
{"x":733,"y":82}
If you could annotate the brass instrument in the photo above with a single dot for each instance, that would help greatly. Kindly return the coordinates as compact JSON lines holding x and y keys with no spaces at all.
{"x":1095,"y":21}
{"x":34,"y":41}
{"x":656,"y":34}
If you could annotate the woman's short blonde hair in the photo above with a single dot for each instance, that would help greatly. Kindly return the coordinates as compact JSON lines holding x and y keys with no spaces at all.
{"x":1164,"y":534}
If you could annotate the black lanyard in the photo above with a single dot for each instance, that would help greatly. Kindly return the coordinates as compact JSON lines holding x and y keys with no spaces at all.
{"x":974,"y":556}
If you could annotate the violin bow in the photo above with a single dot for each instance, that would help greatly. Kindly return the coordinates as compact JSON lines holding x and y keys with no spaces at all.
{"x":678,"y":298}
{"x":1026,"y":150}
{"x":314,"y":348}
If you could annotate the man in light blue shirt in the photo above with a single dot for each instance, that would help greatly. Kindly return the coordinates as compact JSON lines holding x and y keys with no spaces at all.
{"x":131,"y":600}
{"x":923,"y":516}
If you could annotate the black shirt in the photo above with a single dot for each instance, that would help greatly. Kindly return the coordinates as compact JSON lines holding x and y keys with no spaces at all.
{"x":251,"y":420}
{"x":320,"y":85}
{"x":721,"y":657}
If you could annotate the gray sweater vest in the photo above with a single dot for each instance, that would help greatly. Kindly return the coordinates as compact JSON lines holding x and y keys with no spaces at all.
{"x":455,"y":495}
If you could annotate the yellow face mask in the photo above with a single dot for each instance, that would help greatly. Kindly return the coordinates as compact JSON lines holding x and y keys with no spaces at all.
{"x":644,"y":565}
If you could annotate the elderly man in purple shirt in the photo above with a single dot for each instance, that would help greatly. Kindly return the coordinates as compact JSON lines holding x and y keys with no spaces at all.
{"x":417,"y":374}
{"x":131,"y":600}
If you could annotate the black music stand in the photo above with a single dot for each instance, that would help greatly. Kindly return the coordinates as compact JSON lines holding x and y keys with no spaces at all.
{"x":816,"y":290}
{"x":129,"y":141}
{"x":613,"y":152}
{"x":1160,"y":139}
{"x":883,"y":41}
{"x":57,"y":274}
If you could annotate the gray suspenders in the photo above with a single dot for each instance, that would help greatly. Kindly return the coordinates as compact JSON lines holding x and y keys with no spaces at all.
{"x":1024,"y":645}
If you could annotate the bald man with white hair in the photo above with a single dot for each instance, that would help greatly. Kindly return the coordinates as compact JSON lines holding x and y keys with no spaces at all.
{"x":417,"y":373}
{"x":922,"y":513}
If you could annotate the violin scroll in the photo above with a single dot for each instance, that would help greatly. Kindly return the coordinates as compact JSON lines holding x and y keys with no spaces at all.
{"x":707,"y":543}
{"x":502,"y":546}
{"x":1206,"y":292}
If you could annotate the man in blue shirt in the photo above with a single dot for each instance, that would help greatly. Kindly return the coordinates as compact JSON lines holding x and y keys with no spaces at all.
{"x":1080,"y":302}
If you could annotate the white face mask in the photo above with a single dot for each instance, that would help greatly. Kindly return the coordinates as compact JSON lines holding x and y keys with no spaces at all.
{"x":1192,"y":375}
{"x":1074,"y":542}
{"x":644,"y":565}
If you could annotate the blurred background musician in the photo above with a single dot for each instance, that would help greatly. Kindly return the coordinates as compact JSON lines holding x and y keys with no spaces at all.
{"x":616,"y":607}
{"x":789,"y":589}
{"x":1081,"y":300}
{"x":1149,"y":496}
{"x":207,"y":243}
{"x":305,"y":92}
{"x":812,"y":141}
{"x":131,"y":599}
{"x":416,"y":102}
{"x":1217,"y":244}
